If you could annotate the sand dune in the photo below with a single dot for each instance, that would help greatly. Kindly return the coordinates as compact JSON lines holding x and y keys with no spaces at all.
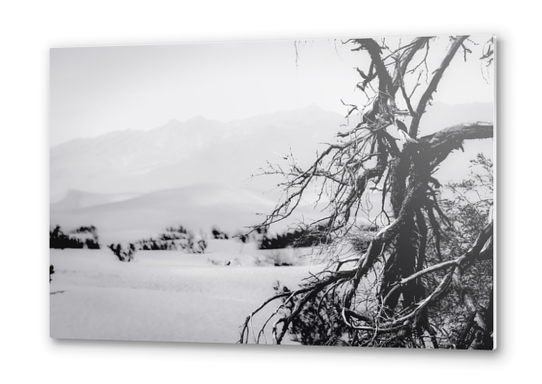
{"x":79,"y":199}
{"x":197,"y":208}
{"x":162,"y":295}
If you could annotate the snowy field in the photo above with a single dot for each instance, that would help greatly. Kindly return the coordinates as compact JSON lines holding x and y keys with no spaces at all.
{"x":167,"y":295}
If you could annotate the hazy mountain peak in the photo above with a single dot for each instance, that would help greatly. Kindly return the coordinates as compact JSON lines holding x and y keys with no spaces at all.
{"x":200,"y":150}
{"x":76,"y":199}
{"x":171,"y":123}
{"x":197,"y":118}
{"x":313,"y":107}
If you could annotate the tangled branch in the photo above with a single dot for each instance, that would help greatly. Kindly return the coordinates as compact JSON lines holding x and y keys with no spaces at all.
{"x":382,"y":152}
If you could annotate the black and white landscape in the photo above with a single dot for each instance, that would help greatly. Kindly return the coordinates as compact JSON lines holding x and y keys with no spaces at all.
{"x":192,"y":183}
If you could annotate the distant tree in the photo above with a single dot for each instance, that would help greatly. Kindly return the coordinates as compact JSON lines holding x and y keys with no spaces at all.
{"x":59,"y":240}
{"x":180,"y":229}
{"x":93,"y":243}
{"x":299,"y":238}
{"x":174,"y":238}
{"x":398,"y":289}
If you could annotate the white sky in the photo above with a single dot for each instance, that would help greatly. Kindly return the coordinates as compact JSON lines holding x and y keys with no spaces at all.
{"x":96,"y":90}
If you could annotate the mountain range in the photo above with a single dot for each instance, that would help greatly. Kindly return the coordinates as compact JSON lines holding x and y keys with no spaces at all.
{"x":203,"y":169}
{"x":180,"y":154}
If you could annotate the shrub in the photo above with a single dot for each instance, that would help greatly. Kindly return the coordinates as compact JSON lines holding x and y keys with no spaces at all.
{"x":218,"y":234}
{"x":59,"y":240}
{"x":297,"y":239}
{"x":90,"y":243}
{"x":173,"y":239}
{"x":123,"y":255}
{"x":319,"y":322}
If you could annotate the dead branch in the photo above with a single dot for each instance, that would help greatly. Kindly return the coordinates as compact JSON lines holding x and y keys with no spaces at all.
{"x":365,"y":158}
{"x":428,"y":94}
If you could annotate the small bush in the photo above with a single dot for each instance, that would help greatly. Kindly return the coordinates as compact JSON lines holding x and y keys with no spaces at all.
{"x":90,"y":243}
{"x":297,"y":239}
{"x":175,"y":238}
{"x":59,"y":240}
{"x":319,"y":322}
{"x":123,"y":255}
{"x":218,"y":234}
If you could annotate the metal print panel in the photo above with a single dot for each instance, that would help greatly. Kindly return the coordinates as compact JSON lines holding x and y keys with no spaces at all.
{"x":331,"y":192}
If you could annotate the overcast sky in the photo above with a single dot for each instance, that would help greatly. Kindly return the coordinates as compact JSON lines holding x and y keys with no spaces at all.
{"x":96,"y":90}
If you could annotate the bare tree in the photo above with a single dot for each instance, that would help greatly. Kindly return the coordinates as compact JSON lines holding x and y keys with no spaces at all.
{"x":385,"y":294}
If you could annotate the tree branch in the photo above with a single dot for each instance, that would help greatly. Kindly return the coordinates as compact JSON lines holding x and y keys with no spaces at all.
{"x":428,"y":94}
{"x":437,"y":146}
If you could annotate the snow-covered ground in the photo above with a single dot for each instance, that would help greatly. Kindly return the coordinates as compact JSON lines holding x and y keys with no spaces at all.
{"x":167,"y":295}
